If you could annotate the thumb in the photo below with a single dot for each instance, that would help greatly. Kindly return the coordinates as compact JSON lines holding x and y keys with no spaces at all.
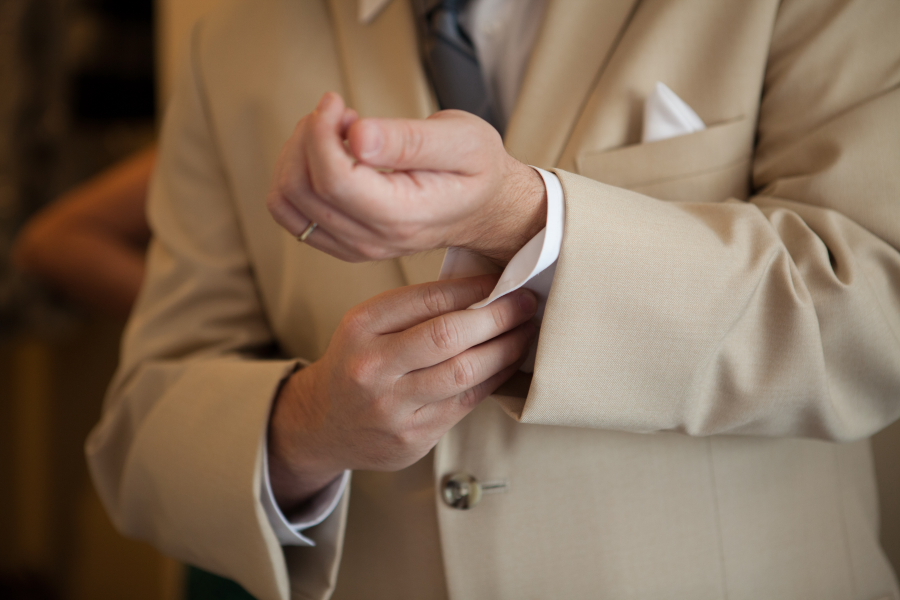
{"x":446,"y":141}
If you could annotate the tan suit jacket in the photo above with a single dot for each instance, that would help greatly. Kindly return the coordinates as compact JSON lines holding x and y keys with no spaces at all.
{"x":721,"y":299}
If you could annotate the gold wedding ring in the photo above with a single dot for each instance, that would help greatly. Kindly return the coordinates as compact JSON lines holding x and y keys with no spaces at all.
{"x":307,"y":232}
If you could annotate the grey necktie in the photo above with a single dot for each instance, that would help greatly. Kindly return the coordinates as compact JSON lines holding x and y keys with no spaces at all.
{"x":452,"y":62}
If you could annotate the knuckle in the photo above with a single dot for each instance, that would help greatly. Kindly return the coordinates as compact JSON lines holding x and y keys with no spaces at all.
{"x":357,"y":248}
{"x":369,"y":252}
{"x":471,"y":396}
{"x":328,"y":184}
{"x":463,"y":372}
{"x":357,"y":318}
{"x":502,"y":317}
{"x":443,"y":334}
{"x":406,"y":438}
{"x":408,"y":233}
{"x":353,"y":258}
{"x":397,"y":441}
{"x":366,"y":253}
{"x":352,"y":252}
{"x":436,"y":299}
{"x":317,"y":183}
{"x":273,"y":201}
{"x":286,"y":186}
{"x":395,"y":230}
{"x":472,"y":128}
{"x":473,"y":135}
{"x":300,"y":127}
{"x":412,"y":142}
{"x":361,"y":371}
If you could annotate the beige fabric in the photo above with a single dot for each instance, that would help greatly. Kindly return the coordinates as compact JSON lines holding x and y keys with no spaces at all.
{"x":747,"y":281}
{"x":174,"y":20}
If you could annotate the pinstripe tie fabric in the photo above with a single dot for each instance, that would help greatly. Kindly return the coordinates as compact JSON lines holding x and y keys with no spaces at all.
{"x":452,"y":62}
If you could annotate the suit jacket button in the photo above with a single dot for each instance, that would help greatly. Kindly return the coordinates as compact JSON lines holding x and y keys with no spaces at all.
{"x":460,"y":490}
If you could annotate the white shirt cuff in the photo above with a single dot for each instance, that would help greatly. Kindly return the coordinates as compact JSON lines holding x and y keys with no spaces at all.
{"x":534,"y":265}
{"x":319,"y":507}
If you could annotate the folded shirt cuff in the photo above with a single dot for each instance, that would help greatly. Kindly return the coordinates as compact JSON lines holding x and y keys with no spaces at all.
{"x":539,"y":254}
{"x":290,"y":531}
{"x":534,"y":265}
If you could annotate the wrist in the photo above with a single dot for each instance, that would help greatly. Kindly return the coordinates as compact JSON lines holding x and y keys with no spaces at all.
{"x":296,"y":474}
{"x":520,"y":215}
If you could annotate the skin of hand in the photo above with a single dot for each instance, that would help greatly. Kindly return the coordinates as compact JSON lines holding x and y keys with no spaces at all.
{"x":91,"y":242}
{"x":382,"y":188}
{"x":401,"y":370}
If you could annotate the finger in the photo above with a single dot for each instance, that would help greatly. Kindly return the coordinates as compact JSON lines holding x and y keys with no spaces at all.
{"x":336,"y":233}
{"x":398,"y":310}
{"x":443,"y":337}
{"x":349,"y":117}
{"x":343,"y":194}
{"x":468,"y":369}
{"x":295,"y":221}
{"x":286,"y":214}
{"x":323,"y":240}
{"x":439,"y":417}
{"x":331,"y":172}
{"x":294,"y":205}
{"x":447,"y":141}
{"x":290,"y":180}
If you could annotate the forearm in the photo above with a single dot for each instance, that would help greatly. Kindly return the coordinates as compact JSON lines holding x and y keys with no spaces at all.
{"x":716,"y":318}
{"x":296,"y":474}
{"x":91,"y":242}
{"x":96,"y":270}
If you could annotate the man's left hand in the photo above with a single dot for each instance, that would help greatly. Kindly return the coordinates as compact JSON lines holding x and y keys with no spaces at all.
{"x":382,"y":188}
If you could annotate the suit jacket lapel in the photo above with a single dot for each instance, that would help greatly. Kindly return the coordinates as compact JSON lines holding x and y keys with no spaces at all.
{"x":383,"y":73}
{"x":572,"y":49}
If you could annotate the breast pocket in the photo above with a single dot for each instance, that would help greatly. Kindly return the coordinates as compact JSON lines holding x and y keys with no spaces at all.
{"x":707,"y":166}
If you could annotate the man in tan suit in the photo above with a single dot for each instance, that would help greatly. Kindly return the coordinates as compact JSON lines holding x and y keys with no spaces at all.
{"x":735,"y":292}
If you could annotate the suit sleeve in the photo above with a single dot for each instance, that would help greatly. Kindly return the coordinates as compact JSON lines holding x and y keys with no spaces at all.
{"x":778,"y":316}
{"x":177,"y":457}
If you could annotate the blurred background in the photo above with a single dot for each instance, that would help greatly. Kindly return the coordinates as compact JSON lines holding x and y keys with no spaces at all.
{"x":82,"y":86}
{"x":82,"y":83}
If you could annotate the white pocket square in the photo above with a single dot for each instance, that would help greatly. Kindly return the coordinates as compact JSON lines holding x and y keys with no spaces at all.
{"x":667,"y":116}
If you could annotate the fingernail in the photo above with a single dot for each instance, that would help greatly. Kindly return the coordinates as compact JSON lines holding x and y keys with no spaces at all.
{"x":527,"y":301}
{"x":373,"y":142}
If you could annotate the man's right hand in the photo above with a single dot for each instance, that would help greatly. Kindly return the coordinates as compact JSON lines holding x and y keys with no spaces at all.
{"x":401,"y":370}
